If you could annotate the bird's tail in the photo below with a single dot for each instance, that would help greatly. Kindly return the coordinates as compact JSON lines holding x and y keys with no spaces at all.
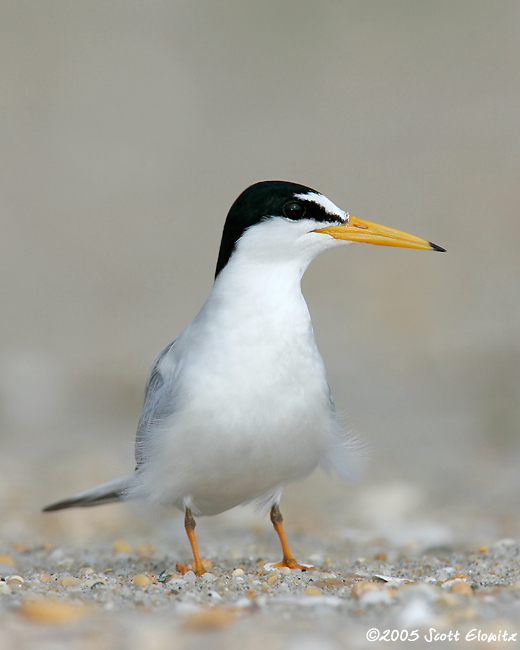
{"x":106,"y":493}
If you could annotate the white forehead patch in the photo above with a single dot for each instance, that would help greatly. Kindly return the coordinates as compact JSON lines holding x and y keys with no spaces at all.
{"x":326,"y":204}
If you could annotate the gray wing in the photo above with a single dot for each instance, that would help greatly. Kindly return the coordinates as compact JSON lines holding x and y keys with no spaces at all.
{"x":158,"y":404}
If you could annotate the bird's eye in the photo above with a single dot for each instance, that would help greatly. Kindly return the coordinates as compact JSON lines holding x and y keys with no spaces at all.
{"x":293,"y":210}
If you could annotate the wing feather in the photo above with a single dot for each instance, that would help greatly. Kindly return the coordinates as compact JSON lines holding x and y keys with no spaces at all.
{"x":158,"y":401}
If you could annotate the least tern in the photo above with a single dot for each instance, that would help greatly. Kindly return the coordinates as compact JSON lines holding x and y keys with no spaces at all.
{"x":239,"y":405}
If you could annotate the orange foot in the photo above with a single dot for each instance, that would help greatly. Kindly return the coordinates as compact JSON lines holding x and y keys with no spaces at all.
{"x":182,"y":568}
{"x":291,"y":563}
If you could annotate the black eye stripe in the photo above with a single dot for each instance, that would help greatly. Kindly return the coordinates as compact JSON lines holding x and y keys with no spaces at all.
{"x":294,"y":210}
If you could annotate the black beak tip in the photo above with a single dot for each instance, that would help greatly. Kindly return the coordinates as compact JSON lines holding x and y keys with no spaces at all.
{"x":437,"y":248}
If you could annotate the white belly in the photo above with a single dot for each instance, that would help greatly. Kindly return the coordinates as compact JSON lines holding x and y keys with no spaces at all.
{"x":242,"y":435}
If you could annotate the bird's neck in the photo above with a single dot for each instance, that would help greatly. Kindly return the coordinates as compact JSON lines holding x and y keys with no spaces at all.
{"x":256,"y":318}
{"x":261,"y":297}
{"x":268,"y":284}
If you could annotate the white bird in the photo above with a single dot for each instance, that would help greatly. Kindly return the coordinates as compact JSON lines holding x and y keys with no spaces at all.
{"x":239,"y":405}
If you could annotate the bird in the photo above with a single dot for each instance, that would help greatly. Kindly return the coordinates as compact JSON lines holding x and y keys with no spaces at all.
{"x":239,"y":405}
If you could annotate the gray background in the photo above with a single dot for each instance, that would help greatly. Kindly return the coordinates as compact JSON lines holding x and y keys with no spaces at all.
{"x":128,"y":129}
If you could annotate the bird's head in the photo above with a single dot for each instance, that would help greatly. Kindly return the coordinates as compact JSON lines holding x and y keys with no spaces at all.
{"x":282,"y":221}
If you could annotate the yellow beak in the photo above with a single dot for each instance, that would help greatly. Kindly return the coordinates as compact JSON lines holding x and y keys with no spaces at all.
{"x":373,"y":233}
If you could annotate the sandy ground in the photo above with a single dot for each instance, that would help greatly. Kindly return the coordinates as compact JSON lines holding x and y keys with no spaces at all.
{"x":73,"y":584}
{"x":95,"y":597}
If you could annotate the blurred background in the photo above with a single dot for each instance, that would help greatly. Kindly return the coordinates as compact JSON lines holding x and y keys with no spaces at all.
{"x":128,"y":129}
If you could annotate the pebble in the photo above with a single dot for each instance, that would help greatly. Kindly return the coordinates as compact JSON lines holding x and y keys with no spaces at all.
{"x":214,"y":617}
{"x":445,"y":573}
{"x":145,"y":550}
{"x":87,"y":571}
{"x":504,"y":542}
{"x":6,"y":559}
{"x":328,"y":583}
{"x":181,"y":568}
{"x":69,"y":581}
{"x":15,"y":581}
{"x":244,"y":603}
{"x":189,"y":576}
{"x":416,"y":612}
{"x":363,"y":586}
{"x":461,"y":587}
{"x":50,"y":610}
{"x":120,"y":546}
{"x":382,"y":596}
{"x":419,"y":590}
{"x":208,"y":577}
{"x":237,"y":572}
{"x":173,"y":583}
{"x":58,"y":556}
{"x":448,"y":599}
{"x":94,"y":582}
{"x":5,"y":589}
{"x":142,"y":580}
{"x":45,"y":577}
{"x":170,"y":577}
{"x":372,"y":593}
{"x":450,"y":582}
{"x":312,"y":591}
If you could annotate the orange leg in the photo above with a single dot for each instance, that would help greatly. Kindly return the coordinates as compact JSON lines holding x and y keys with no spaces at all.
{"x":189,"y":525}
{"x":288,"y":560}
